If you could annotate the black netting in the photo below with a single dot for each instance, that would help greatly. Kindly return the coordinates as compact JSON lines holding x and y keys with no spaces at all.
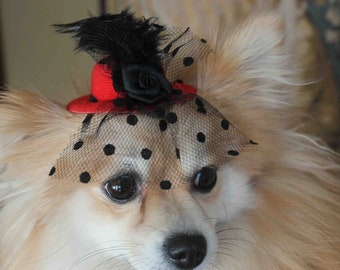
{"x":166,"y":145}
{"x":180,"y":49}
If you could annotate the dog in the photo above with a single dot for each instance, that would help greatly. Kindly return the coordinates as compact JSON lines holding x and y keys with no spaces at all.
{"x":273,"y":206}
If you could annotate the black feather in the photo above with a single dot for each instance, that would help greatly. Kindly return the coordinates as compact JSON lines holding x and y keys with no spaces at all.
{"x":119,"y":37}
{"x":118,"y":40}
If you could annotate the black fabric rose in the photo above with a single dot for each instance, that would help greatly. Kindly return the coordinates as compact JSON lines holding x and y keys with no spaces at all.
{"x":145,"y":83}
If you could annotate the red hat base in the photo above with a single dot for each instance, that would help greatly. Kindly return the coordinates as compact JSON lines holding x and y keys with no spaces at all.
{"x":103,"y":93}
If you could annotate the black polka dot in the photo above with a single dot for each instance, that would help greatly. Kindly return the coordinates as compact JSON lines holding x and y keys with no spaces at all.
{"x":52,"y":171}
{"x":199,"y":103}
{"x":200,"y":137}
{"x":85,"y":177}
{"x":165,"y":184}
{"x":92,"y":99}
{"x":109,"y":149}
{"x":233,"y":153}
{"x":146,"y":153}
{"x":177,"y":153}
{"x":225,"y":124}
{"x":132,"y":119}
{"x":171,"y":118}
{"x":201,"y":110}
{"x":203,"y":40}
{"x":78,"y":145}
{"x":188,"y":61}
{"x":163,"y":125}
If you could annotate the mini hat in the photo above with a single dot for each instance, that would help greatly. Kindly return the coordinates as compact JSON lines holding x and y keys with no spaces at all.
{"x":137,"y":60}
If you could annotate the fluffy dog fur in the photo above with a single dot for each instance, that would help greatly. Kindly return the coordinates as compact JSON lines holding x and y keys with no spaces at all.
{"x":276,"y":206}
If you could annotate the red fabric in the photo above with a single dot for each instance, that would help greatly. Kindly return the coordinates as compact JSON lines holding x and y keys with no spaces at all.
{"x":101,"y":83}
{"x":185,"y":88}
{"x":102,"y":89}
{"x":83,"y":105}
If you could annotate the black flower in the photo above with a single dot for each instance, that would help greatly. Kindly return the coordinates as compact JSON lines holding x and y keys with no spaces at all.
{"x":145,"y":83}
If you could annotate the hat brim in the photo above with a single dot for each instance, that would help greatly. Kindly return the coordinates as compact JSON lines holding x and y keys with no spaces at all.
{"x":85,"y":105}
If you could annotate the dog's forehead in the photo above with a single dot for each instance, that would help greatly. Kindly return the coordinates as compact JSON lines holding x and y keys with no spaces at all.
{"x":166,"y":144}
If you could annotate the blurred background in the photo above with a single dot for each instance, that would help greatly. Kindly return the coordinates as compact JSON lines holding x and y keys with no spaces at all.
{"x":33,"y":56}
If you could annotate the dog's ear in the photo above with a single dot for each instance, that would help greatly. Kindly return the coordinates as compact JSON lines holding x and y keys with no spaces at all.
{"x":249,"y":62}
{"x":250,"y":79}
{"x":33,"y":130}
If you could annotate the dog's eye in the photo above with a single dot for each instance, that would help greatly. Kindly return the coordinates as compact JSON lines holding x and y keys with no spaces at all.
{"x":122,"y":188}
{"x":205,"y":180}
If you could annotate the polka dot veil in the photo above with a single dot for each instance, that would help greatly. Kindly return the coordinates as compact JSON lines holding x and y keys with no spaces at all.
{"x":164,"y":147}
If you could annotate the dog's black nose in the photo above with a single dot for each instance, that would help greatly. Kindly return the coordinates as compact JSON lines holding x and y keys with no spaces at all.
{"x":186,"y":251}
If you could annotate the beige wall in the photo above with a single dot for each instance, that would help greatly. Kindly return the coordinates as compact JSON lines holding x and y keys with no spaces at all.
{"x":35,"y":57}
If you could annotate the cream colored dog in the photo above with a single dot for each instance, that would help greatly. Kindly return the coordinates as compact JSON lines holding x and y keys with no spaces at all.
{"x":275,"y":206}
